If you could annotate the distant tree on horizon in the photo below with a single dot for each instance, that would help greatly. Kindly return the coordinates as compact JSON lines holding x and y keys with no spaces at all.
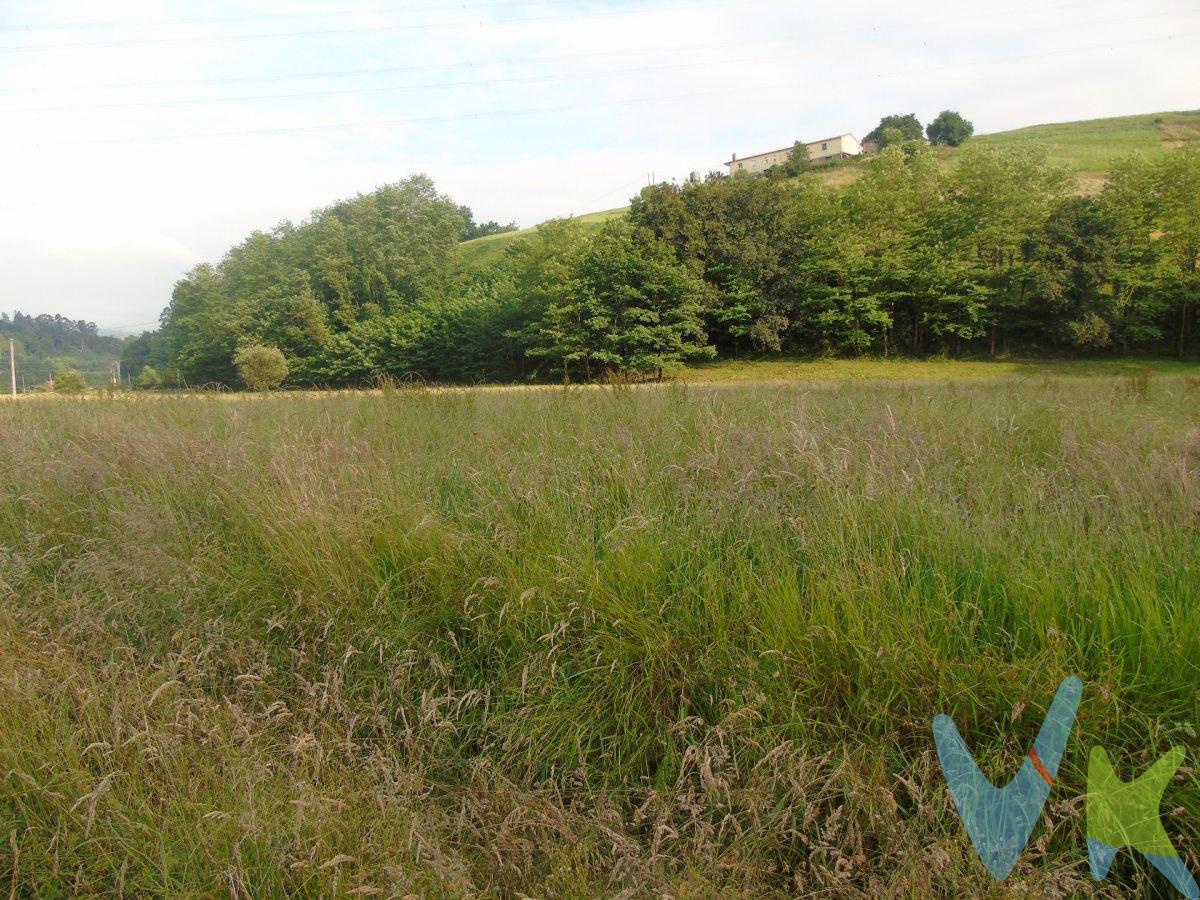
{"x":908,"y":126}
{"x":949,"y":129}
{"x":472,"y":230}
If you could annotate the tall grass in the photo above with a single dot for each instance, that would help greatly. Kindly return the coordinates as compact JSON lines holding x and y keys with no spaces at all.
{"x":576,"y":643}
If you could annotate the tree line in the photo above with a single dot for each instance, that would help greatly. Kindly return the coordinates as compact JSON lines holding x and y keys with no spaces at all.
{"x":47,"y":345}
{"x":995,"y":253}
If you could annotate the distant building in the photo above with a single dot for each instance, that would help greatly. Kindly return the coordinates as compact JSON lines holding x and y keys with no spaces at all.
{"x":841,"y":146}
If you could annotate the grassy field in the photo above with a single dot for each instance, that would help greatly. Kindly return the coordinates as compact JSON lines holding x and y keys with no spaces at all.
{"x":807,"y":369}
{"x":1094,"y":145}
{"x":573,"y":643}
{"x":484,"y":251}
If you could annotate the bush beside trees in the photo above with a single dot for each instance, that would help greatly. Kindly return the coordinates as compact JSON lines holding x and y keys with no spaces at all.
{"x":149,"y":378}
{"x":261,"y":368}
{"x":69,"y":381}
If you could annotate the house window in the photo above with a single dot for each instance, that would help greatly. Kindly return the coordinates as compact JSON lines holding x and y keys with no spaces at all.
{"x":825,"y":146}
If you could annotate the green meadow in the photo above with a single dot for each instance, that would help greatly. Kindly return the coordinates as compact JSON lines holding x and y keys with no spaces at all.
{"x":679,"y":640}
{"x":483,"y":252}
{"x":1094,"y":145}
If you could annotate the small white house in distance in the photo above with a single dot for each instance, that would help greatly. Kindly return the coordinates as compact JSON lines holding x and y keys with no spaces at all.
{"x":840,"y":146}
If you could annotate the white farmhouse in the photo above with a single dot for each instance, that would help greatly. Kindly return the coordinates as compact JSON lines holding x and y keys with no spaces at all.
{"x":841,"y":146}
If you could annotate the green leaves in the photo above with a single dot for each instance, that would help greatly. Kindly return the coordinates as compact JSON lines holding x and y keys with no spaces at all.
{"x":617,"y":301}
{"x":949,"y":129}
{"x":992,"y":253}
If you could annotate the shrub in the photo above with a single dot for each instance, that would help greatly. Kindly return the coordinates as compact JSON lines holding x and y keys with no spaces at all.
{"x":262,"y":368}
{"x":1091,"y":331}
{"x":69,"y":381}
{"x":149,"y":377}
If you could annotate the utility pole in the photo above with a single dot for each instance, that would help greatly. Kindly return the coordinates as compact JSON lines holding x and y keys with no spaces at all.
{"x":12,"y":366}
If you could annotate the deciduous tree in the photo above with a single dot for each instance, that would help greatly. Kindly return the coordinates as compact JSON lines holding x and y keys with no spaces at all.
{"x":949,"y":129}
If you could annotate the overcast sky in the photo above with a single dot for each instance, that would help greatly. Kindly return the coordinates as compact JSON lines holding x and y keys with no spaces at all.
{"x":140,"y":138}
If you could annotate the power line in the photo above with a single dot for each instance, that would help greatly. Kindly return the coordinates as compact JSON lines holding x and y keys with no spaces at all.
{"x":374,"y":29}
{"x":132,"y":325}
{"x":608,"y":194}
{"x":313,"y":95}
{"x":390,"y":70}
{"x":384,"y":70}
{"x":255,"y":17}
{"x":527,"y":79}
{"x":741,"y":89}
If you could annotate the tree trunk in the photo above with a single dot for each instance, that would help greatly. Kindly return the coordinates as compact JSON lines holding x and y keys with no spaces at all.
{"x":1183,"y":327}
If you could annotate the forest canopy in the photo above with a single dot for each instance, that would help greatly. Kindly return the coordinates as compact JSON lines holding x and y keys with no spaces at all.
{"x":993,"y":254}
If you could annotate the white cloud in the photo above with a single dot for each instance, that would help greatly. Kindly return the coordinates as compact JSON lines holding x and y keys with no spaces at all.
{"x":102,"y":230}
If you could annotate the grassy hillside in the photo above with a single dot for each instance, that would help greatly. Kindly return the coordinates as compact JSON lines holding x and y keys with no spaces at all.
{"x":1093,"y":145}
{"x":682,"y":642}
{"x":1089,"y":147}
{"x":487,"y":250}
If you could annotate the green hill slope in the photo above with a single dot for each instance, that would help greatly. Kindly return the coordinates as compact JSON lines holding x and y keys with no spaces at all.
{"x":486,"y":250}
{"x":1089,"y":147}
{"x":1094,"y":145}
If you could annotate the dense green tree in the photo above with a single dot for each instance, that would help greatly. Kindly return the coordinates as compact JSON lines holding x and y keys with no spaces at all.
{"x":1175,"y":180}
{"x":1140,"y":306}
{"x":147,"y":349}
{"x":563,"y":322}
{"x":1071,"y":264}
{"x":287,"y":316}
{"x":891,"y":137}
{"x":913,"y":280}
{"x":201,"y":327}
{"x":644,"y":306}
{"x":997,"y":204}
{"x":740,"y":235}
{"x":949,"y":129}
{"x":907,"y":124}
{"x":992,"y":254}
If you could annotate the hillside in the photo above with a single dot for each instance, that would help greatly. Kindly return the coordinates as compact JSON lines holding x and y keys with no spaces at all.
{"x":1095,"y":144}
{"x":486,"y":250}
{"x":1089,"y":147}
